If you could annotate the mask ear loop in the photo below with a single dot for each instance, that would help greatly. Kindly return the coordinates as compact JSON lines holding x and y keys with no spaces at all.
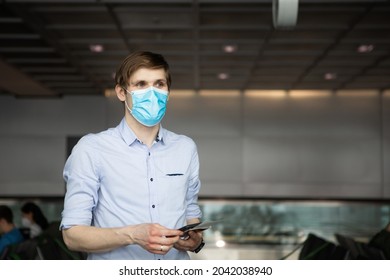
{"x":127,"y":106}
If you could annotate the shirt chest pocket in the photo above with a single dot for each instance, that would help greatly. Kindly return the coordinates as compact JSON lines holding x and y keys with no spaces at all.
{"x":172,"y":184}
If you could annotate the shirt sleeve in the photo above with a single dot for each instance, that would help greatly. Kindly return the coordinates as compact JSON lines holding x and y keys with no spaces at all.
{"x":193,"y":209}
{"x":82,"y":183}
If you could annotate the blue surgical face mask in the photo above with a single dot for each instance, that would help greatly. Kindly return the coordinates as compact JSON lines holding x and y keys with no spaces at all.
{"x":149,"y":105}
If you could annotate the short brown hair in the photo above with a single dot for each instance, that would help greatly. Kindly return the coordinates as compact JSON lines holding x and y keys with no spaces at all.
{"x":137,"y":60}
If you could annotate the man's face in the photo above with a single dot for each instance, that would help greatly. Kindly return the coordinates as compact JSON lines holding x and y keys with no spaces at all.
{"x":144,"y":78}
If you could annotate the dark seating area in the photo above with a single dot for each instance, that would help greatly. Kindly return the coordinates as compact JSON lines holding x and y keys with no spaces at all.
{"x":47,"y":246}
{"x":346,"y":248}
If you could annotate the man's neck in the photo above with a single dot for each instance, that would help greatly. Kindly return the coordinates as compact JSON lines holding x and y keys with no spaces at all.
{"x":146,"y":135}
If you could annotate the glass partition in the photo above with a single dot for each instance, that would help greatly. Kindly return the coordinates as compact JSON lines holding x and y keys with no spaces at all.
{"x":289,"y":222}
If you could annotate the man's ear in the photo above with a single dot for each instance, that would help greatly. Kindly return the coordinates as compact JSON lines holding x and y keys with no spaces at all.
{"x":120,"y":93}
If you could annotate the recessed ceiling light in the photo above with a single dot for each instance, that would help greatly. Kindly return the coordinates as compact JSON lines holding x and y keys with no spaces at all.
{"x":330,"y":76}
{"x":365,"y":48}
{"x":223,"y":76}
{"x":96,"y":48}
{"x":229,"y":48}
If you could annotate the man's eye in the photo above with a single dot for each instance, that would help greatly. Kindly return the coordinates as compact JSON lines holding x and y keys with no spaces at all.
{"x":140,"y":84}
{"x":161,"y":84}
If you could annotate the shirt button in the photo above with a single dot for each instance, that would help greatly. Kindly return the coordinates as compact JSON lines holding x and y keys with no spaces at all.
{"x":153,"y":206}
{"x":151,"y":179}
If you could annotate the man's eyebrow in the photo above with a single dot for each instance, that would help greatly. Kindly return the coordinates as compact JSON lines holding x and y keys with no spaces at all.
{"x":137,"y":81}
{"x":144,"y":81}
{"x":161,"y":80}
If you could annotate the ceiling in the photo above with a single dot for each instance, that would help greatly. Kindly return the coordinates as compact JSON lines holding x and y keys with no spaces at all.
{"x":46,"y":46}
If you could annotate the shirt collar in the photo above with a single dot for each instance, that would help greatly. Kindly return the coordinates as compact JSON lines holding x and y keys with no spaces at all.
{"x":129,"y":136}
{"x":161,"y":136}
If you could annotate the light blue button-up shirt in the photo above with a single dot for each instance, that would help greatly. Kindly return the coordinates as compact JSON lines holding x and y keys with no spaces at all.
{"x":114,"y":180}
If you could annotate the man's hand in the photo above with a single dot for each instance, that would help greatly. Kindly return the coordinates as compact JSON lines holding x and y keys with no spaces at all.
{"x":154,"y":237}
{"x":194,"y":239}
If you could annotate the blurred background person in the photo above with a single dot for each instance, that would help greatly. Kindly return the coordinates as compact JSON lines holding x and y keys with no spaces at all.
{"x":33,"y":219}
{"x":9,"y":233}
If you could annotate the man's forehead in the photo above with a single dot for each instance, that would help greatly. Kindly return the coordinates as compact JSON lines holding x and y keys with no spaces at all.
{"x":149,"y":74}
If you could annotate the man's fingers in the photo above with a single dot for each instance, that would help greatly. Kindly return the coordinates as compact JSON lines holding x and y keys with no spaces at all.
{"x":171,"y":232}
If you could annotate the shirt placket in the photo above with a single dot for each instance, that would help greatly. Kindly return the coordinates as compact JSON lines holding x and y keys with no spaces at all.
{"x":153,"y":193}
{"x":153,"y":190}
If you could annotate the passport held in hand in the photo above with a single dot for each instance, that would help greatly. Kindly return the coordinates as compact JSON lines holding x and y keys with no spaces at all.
{"x":195,"y":226}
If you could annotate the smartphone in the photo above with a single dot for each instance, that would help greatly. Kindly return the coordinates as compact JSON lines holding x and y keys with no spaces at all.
{"x":195,"y":226}
{"x":188,"y":227}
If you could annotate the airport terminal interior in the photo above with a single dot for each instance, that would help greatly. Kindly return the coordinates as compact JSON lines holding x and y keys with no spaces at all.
{"x":288,"y":102}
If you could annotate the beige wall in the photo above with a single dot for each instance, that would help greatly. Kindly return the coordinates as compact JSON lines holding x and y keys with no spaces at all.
{"x":306,"y":144}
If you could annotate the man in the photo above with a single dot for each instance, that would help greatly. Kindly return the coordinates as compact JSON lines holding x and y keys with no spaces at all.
{"x":8,"y":231}
{"x":130,"y":188}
